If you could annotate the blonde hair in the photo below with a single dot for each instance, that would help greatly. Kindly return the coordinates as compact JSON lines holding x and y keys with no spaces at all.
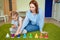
{"x":14,"y":13}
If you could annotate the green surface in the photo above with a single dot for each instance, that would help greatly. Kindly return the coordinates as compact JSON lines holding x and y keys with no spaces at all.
{"x":53,"y":33}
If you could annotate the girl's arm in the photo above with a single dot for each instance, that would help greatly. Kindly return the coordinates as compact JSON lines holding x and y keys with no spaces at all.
{"x":25,"y":23}
{"x":13,"y":24}
{"x":20,"y":25}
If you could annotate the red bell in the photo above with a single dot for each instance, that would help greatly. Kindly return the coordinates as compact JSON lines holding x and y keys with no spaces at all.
{"x":46,"y":36}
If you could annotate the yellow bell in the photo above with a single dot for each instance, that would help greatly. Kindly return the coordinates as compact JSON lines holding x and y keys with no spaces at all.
{"x":36,"y":36}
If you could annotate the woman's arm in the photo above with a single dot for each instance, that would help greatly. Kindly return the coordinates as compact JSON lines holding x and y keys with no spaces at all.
{"x":25,"y":22}
{"x":41,"y":21}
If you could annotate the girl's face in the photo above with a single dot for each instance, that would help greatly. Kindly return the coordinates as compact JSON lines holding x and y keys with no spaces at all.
{"x":32,"y":7}
{"x":14,"y":17}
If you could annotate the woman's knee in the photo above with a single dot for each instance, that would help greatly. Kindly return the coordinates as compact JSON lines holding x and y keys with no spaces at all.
{"x":32,"y":28}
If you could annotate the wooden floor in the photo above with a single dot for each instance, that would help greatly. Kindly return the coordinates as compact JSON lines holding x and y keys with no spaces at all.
{"x":51,"y":20}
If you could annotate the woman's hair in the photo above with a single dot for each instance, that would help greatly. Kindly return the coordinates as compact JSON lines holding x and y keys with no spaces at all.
{"x":35,"y":4}
{"x":14,"y":13}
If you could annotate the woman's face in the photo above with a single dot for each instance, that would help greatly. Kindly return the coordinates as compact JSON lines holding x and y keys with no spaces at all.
{"x":32,"y":7}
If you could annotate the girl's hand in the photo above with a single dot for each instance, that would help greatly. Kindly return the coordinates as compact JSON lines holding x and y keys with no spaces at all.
{"x":13,"y":26}
{"x":16,"y":34}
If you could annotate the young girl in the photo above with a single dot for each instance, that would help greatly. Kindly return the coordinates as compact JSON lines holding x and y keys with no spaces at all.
{"x":34,"y":19}
{"x":16,"y":23}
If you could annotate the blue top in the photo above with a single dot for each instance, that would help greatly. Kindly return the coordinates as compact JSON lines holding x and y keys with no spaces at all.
{"x":34,"y":18}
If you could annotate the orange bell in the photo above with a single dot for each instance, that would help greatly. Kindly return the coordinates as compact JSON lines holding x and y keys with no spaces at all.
{"x":41,"y":36}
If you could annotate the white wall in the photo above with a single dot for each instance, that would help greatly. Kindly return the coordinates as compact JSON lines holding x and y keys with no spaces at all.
{"x":1,"y":7}
{"x":56,"y":11}
{"x":23,"y":5}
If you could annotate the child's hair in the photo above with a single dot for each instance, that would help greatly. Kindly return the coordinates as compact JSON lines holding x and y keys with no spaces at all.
{"x":14,"y":13}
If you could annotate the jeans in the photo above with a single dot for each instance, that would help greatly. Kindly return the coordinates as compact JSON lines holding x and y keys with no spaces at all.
{"x":31,"y":27}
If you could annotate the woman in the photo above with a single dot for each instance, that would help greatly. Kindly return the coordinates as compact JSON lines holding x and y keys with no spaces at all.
{"x":34,"y":19}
